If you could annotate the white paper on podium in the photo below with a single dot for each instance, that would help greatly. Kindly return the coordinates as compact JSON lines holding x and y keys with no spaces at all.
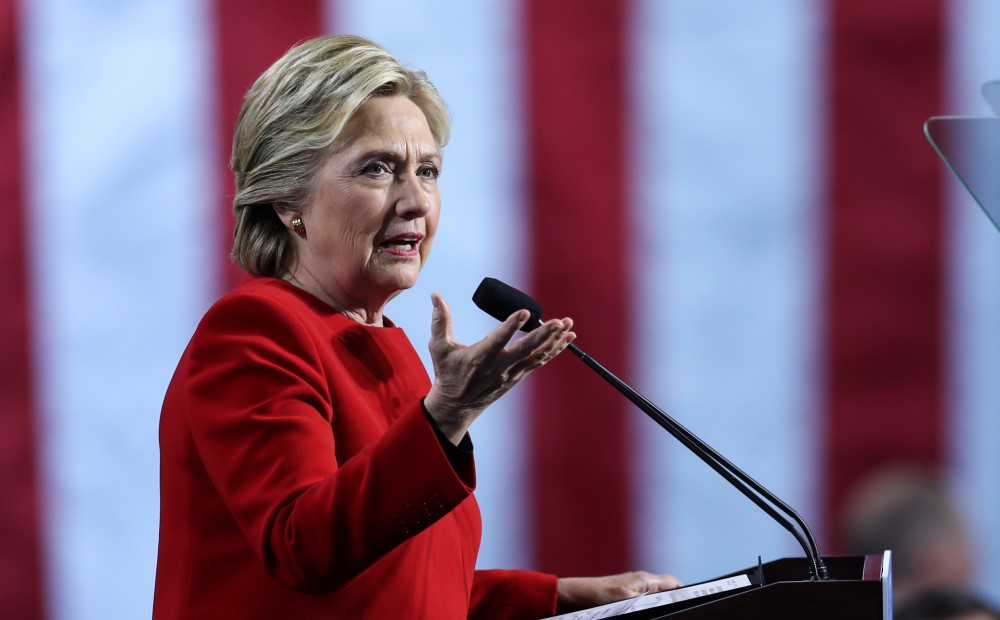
{"x":657,"y":599}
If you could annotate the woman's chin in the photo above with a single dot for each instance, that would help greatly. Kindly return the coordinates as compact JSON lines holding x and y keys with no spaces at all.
{"x":395,"y":281}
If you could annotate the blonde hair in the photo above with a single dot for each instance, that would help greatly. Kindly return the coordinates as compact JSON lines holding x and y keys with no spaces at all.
{"x":291,"y":116}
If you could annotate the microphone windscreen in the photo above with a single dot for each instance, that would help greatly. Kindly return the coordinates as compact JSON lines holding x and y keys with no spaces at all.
{"x":500,"y":300}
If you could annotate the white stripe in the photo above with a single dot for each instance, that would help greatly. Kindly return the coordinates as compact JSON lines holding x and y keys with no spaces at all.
{"x":470,"y":52}
{"x":727,"y":176}
{"x":121,"y":203}
{"x":974,"y":276}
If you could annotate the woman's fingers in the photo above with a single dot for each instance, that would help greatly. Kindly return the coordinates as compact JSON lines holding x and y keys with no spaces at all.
{"x":496,"y":340}
{"x":579,"y":592}
{"x":661,"y":582}
{"x":541,"y":357}
{"x":540,"y":337}
{"x":544,"y":350}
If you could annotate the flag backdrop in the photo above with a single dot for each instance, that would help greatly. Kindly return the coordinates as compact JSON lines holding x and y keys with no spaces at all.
{"x":734,"y":201}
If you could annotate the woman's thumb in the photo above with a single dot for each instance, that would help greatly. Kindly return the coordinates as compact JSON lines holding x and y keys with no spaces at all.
{"x":440,"y":319}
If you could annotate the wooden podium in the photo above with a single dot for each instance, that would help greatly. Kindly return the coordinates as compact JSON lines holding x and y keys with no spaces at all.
{"x":859,"y":588}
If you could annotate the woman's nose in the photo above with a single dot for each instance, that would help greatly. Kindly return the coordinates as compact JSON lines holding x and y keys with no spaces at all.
{"x":414,"y":198}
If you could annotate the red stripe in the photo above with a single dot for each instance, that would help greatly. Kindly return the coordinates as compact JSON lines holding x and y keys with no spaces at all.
{"x":250,"y":36}
{"x":884,"y":339}
{"x":575,"y":65}
{"x":20,"y":555}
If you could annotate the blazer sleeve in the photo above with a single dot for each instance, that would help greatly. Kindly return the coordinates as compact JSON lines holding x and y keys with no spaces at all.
{"x":512,"y":595}
{"x":258,"y":402}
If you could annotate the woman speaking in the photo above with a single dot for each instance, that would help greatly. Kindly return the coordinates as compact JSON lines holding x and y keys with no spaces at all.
{"x":309,"y":467}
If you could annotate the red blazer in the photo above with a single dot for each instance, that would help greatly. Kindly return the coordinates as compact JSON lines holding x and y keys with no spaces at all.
{"x":300,"y":477}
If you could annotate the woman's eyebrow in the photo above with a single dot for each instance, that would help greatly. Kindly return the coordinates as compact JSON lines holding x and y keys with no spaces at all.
{"x":380,"y":154}
{"x":394,"y":155}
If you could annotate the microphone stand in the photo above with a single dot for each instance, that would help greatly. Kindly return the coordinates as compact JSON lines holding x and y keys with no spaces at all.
{"x":499,"y":300}
{"x":757,"y":493}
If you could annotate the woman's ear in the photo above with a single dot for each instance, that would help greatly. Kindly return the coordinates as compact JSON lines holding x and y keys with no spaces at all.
{"x":285,"y":213}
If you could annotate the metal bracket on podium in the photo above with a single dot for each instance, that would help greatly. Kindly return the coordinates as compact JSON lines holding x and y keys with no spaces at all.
{"x":970,"y":147}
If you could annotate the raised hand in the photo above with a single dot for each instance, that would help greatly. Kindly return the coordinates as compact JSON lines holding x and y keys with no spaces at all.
{"x":468,"y":378}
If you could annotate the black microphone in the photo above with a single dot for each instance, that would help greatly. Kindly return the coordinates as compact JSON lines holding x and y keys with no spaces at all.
{"x":500,"y":300}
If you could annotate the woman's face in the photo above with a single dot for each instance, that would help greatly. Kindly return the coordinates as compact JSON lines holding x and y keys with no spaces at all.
{"x":374,"y":208}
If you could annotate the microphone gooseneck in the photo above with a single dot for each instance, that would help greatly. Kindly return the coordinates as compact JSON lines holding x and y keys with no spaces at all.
{"x":500,"y":300}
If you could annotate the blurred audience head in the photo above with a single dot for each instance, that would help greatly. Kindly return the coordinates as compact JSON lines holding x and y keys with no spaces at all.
{"x":909,"y":511}
{"x":945,"y":604}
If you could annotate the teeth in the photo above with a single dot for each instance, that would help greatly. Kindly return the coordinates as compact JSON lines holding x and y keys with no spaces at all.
{"x":401,"y":243}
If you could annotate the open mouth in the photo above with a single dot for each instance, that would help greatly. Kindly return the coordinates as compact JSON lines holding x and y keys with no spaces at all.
{"x":404,"y":244}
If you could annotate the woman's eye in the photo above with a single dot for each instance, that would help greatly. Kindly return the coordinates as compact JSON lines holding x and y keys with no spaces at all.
{"x":430,"y":172}
{"x":376,"y":168}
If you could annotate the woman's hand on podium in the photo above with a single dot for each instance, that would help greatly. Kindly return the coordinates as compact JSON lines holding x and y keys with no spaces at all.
{"x":582,"y":592}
